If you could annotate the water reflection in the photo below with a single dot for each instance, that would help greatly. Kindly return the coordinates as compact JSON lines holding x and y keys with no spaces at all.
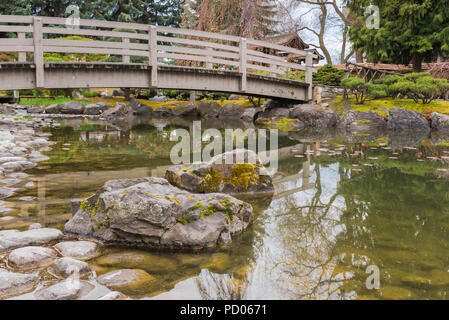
{"x":342,"y":203}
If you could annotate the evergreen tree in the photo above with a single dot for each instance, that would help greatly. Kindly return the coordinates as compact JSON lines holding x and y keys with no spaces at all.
{"x":411,"y":31}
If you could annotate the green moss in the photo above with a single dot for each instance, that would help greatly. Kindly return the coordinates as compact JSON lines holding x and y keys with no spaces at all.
{"x":242,"y":175}
{"x":212,"y":180}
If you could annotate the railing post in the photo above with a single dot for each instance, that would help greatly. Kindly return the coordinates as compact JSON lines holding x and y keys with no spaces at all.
{"x":152,"y":44}
{"x":38,"y":53}
{"x":22,"y":55}
{"x":309,"y":75}
{"x":209,"y":56}
{"x":242,"y":66}
{"x":125,"y":59}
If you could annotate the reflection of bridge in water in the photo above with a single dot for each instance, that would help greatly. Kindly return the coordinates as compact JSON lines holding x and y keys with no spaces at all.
{"x":173,"y":59}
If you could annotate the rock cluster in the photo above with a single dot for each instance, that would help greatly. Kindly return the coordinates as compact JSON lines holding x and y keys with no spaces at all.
{"x":151,"y":212}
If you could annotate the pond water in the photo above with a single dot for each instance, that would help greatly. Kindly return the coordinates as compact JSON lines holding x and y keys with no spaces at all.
{"x":339,"y":207}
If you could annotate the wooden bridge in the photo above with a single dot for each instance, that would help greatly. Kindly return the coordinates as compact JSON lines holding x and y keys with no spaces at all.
{"x":172,"y":58}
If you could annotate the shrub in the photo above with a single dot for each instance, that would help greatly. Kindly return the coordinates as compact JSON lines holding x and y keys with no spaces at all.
{"x":88,"y":94}
{"x":363,"y":90}
{"x":329,"y":76}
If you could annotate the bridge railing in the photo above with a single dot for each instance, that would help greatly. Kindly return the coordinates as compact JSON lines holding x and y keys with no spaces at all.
{"x":155,"y":45}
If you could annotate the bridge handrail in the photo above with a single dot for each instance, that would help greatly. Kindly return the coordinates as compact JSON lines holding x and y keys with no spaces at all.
{"x":157,"y":43}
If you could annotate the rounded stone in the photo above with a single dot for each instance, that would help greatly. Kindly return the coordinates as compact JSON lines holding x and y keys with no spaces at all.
{"x":82,"y":250}
{"x":125,"y":278}
{"x":67,"y":266}
{"x":14,"y":284}
{"x":35,"y":226}
{"x":68,"y":289}
{"x":114,"y":295}
{"x":31,"y":257}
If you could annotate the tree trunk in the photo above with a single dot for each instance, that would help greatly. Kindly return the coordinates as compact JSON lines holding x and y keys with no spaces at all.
{"x":417,"y":62}
{"x":359,"y":56}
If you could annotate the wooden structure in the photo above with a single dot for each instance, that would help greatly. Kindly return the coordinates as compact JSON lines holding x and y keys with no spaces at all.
{"x":228,"y":63}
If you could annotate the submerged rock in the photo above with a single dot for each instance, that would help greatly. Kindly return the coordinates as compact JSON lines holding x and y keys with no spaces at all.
{"x":31,"y":257}
{"x":231,"y":172}
{"x":11,"y":239}
{"x":83,"y":250}
{"x":69,"y":289}
{"x":14,"y":284}
{"x":407,"y":120}
{"x":68,"y":266}
{"x":150,"y":211}
{"x":126,"y":278}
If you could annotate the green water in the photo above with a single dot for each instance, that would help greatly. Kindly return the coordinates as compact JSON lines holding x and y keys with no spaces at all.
{"x":339,"y":208}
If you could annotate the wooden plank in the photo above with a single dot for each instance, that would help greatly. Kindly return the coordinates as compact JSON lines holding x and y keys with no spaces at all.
{"x":95,"y":44}
{"x":38,"y":52}
{"x":209,"y":57}
{"x":152,"y":47}
{"x":309,"y":75}
{"x":188,"y":50}
{"x":16,"y":41}
{"x":95,"y":33}
{"x":277,"y":63}
{"x":263,"y":55}
{"x":187,"y":57}
{"x":198,"y":43}
{"x":119,"y":52}
{"x":196,"y":33}
{"x":262,"y":68}
{"x":17,"y":48}
{"x":278,"y":47}
{"x":16,"y":19}
{"x":4,"y":28}
{"x":22,"y":55}
{"x":99,"y":23}
{"x":243,"y":63}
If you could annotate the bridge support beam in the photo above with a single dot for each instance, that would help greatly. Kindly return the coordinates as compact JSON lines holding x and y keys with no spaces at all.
{"x":242,"y":59}
{"x":38,"y":52}
{"x":152,"y":43}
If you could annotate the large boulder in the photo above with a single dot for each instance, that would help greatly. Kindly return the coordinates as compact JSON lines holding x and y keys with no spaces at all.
{"x":407,"y":120}
{"x":53,"y":109}
{"x":231,"y":172}
{"x":278,"y":113}
{"x":314,"y":116}
{"x":150,"y":211}
{"x":249,"y":114}
{"x":439,"y":122}
{"x":139,"y":108}
{"x":209,"y":109}
{"x":72,"y":108}
{"x":360,"y":121}
{"x":35,"y":109}
{"x":231,"y":111}
{"x":162,"y":112}
{"x":119,"y":111}
{"x":96,"y":109}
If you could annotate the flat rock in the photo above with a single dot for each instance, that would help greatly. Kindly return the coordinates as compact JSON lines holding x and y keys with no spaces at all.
{"x":11,"y":239}
{"x":83,"y":250}
{"x":14,"y":284}
{"x":68,"y":289}
{"x":31,"y":257}
{"x":125,"y":278}
{"x":67,"y":266}
{"x":6,"y":192}
{"x":11,"y":159}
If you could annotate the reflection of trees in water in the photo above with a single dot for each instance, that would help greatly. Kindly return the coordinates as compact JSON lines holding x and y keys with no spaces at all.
{"x":303,"y":228}
{"x":214,"y":286}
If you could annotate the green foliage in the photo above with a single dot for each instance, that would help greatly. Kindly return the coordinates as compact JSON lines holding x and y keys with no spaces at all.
{"x":328,"y":75}
{"x":294,"y":75}
{"x":88,"y":94}
{"x":408,"y":30}
{"x":363,"y":90}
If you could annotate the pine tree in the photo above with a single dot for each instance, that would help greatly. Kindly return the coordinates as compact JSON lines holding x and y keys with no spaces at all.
{"x":411,"y":31}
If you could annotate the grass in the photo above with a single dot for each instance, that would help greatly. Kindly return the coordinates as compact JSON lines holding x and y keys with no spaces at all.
{"x":47,"y":101}
{"x":381,"y":106}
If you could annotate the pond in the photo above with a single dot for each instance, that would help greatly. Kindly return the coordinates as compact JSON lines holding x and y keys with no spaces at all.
{"x":339,"y":207}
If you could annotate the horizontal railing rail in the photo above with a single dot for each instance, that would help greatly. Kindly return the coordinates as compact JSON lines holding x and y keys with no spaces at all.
{"x":151,"y":45}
